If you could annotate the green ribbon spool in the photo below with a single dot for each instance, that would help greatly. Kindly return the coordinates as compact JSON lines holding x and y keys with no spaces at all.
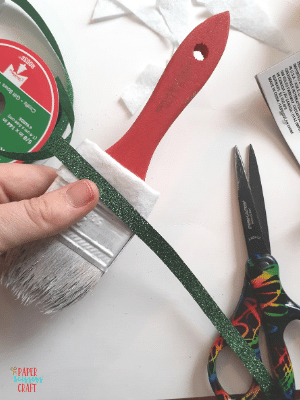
{"x":61,"y":149}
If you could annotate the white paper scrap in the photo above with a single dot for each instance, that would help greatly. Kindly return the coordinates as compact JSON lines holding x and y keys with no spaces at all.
{"x":138,"y":93}
{"x":248,"y":17}
{"x":177,"y":16}
{"x":106,"y":9}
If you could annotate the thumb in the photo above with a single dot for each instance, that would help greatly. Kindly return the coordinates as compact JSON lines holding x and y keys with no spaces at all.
{"x":27,"y":220}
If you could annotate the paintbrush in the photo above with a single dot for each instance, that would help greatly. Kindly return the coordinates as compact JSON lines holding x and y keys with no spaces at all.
{"x":55,"y":272}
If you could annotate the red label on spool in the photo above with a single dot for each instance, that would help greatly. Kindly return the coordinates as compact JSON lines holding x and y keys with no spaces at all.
{"x":28,"y":99}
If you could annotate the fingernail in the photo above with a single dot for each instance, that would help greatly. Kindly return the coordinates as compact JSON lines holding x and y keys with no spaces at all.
{"x":80,"y":194}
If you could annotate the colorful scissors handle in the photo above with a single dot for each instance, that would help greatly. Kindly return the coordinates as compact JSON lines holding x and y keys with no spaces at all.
{"x":247,"y":320}
{"x":277,"y":311}
{"x":263,"y":302}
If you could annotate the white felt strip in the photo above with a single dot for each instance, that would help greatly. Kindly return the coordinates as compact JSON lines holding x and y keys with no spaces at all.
{"x":171,"y":19}
{"x":147,"y":13}
{"x":150,"y":16}
{"x":106,"y":9}
{"x":177,"y":14}
{"x":138,"y":93}
{"x":140,"y":195}
{"x":248,"y":17}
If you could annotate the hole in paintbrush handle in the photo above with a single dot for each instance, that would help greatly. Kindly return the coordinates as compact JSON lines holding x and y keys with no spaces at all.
{"x":2,"y":103}
{"x":200,"y":51}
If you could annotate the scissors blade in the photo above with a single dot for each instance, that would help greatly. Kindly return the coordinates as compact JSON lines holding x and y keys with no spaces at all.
{"x":258,"y":197}
{"x":253,"y":233}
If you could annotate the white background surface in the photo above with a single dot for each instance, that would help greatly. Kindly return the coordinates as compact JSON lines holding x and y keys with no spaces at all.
{"x":139,"y":334}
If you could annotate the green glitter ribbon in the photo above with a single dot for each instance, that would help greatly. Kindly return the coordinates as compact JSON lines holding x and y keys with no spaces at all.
{"x":140,"y":227}
{"x":60,"y":148}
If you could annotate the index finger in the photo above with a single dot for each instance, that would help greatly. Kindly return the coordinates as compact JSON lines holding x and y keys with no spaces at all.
{"x":24,"y":181}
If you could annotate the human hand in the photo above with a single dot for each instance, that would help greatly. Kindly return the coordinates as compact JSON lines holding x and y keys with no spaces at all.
{"x":27,"y":213}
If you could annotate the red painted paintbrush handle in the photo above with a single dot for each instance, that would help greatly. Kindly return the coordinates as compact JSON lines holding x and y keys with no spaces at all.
{"x":183,"y":77}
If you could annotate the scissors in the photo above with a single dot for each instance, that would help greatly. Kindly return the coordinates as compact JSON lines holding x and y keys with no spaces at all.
{"x":263,"y":302}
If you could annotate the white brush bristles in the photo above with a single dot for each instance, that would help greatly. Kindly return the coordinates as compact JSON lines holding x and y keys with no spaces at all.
{"x":48,"y":274}
{"x":56,"y":272}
